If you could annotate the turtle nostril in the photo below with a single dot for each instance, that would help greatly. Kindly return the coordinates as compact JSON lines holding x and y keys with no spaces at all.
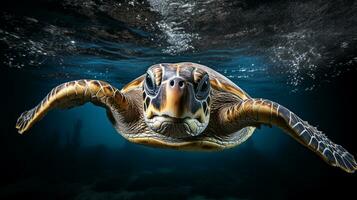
{"x":181,"y":84}
{"x":177,"y":83}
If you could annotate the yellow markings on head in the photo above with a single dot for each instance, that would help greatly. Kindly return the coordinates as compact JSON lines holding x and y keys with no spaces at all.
{"x":150,"y":111}
{"x":198,"y":75}
{"x":158,"y":75}
{"x":177,"y":70}
{"x":174,"y":102}
{"x":174,"y":106}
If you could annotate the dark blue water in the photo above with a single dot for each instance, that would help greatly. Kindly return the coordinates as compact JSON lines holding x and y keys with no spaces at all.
{"x":301,"y":54}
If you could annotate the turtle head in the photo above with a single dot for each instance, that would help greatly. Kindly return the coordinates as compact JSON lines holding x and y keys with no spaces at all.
{"x":176,"y":100}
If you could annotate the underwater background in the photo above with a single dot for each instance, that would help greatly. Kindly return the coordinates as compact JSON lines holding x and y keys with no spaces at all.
{"x":300,"y":53}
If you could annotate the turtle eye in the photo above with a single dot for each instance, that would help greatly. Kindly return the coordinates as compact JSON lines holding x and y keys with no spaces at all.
{"x":203,"y":88}
{"x":149,"y":84}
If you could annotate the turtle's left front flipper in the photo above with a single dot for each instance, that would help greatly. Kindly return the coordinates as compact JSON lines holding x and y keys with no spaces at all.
{"x":75,"y":93}
{"x":254,"y":112}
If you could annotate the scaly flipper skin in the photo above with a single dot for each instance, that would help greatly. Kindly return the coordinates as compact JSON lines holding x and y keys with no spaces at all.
{"x":186,"y":106}
{"x":74,"y":93}
{"x":254,"y":112}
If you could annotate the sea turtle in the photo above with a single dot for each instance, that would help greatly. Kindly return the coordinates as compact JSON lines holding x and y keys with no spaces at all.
{"x":186,"y":106}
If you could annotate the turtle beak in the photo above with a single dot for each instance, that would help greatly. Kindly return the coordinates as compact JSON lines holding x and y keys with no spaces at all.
{"x":176,"y":98}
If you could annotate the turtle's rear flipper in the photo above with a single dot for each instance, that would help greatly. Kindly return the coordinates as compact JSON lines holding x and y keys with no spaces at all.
{"x":74,"y":93}
{"x":252,"y":112}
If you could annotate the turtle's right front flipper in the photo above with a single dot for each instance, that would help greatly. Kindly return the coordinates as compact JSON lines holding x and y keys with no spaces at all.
{"x":74,"y":93}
